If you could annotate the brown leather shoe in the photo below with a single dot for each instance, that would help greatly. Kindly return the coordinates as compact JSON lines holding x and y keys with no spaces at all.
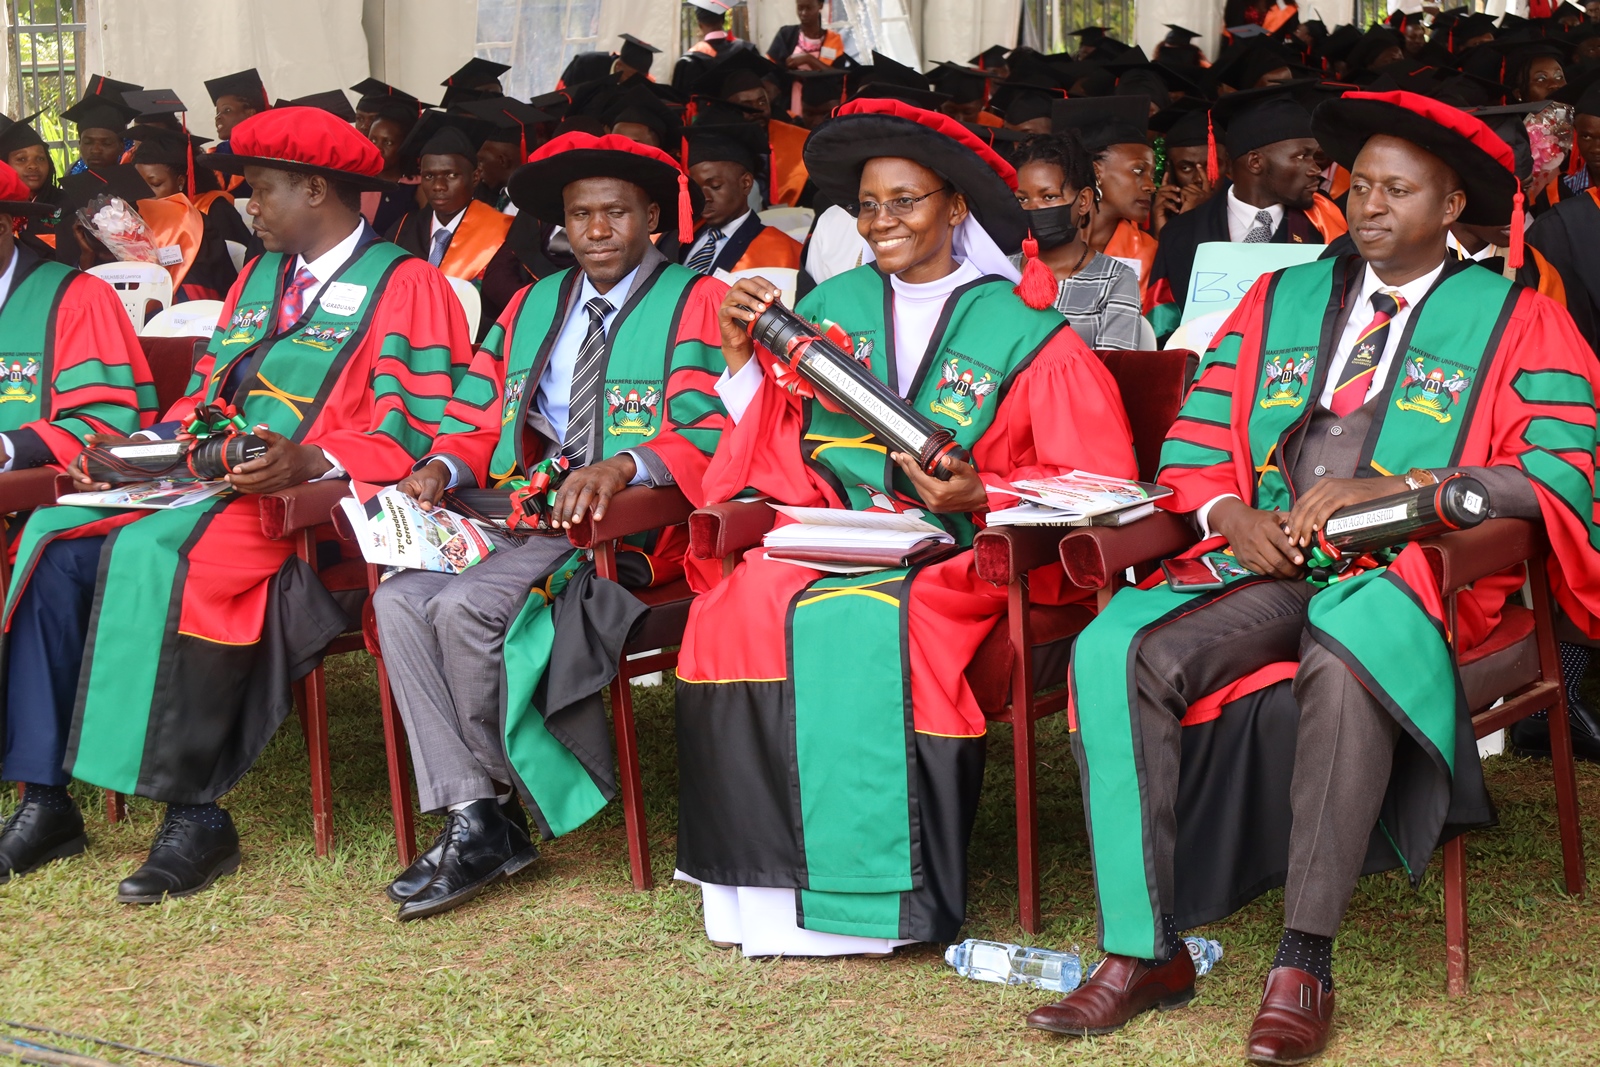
{"x":1294,"y":1020}
{"x":1120,"y":988}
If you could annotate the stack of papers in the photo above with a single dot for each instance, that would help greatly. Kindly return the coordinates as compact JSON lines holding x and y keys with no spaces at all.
{"x":1078,"y":499}
{"x":151,"y":496}
{"x":854,"y":542}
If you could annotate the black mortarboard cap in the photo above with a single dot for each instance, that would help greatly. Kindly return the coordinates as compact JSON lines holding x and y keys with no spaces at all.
{"x":18,"y":134}
{"x":97,"y":112}
{"x":587,"y":67}
{"x":456,"y":95}
{"x":1091,"y":34}
{"x":99,"y":84}
{"x":991,"y":57}
{"x":157,"y":144}
{"x":736,"y":142}
{"x":639,"y":55}
{"x":153,"y":103}
{"x":1255,"y":118}
{"x":639,"y":105}
{"x":926,"y":99}
{"x":1508,"y":124}
{"x":1143,"y":82}
{"x":121,"y":180}
{"x":333,"y":101}
{"x":1103,"y":121}
{"x":818,"y":87}
{"x":443,"y":133}
{"x":1373,"y":43}
{"x":1182,"y":124}
{"x":1256,"y":58}
{"x":245,"y":84}
{"x":477,"y":73}
{"x":1469,"y":26}
{"x":963,"y":85}
{"x":1178,"y":35}
{"x":509,"y":119}
{"x":734,"y":71}
{"x":893,"y":72}
{"x":1568,"y":10}
{"x":374,"y":94}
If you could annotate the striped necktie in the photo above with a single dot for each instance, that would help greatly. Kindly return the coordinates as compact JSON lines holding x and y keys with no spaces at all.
{"x":294,"y":299}
{"x":1356,"y":377}
{"x":583,"y":398}
{"x":706,"y":254}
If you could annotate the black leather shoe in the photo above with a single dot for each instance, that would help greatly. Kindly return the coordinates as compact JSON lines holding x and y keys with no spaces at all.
{"x":1531,"y":737}
{"x":481,"y":845}
{"x":414,"y":877}
{"x":35,"y":835}
{"x":184,"y":859}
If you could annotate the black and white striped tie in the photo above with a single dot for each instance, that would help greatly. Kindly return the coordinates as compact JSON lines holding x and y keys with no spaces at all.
{"x":583,"y":399}
{"x":706,"y":254}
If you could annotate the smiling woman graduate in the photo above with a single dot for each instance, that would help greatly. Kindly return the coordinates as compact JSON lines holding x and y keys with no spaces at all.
{"x":830,"y":748}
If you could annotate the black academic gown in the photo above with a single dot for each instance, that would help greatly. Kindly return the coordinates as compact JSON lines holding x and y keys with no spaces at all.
{"x":735,"y":247}
{"x":1569,"y":238}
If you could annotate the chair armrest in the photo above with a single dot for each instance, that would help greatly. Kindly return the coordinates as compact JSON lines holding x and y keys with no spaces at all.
{"x":1095,"y":555}
{"x":1002,"y":554}
{"x":1462,"y":557}
{"x":636,"y":509}
{"x":719,"y":530}
{"x":301,"y":507}
{"x":36,"y":487}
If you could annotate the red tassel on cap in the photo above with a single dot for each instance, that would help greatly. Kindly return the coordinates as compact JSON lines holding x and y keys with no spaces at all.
{"x":1038,"y":286}
{"x":685,"y":212}
{"x":1213,"y":171}
{"x":1514,"y":253}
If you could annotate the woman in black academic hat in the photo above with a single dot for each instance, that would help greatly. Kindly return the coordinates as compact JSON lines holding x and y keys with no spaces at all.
{"x":23,"y":148}
{"x":839,"y":711}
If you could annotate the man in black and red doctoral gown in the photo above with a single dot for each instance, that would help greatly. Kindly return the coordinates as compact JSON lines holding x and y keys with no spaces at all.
{"x":1334,"y":383}
{"x":151,"y":652}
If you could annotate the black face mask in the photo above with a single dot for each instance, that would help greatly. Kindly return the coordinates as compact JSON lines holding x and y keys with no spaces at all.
{"x":1053,"y":226}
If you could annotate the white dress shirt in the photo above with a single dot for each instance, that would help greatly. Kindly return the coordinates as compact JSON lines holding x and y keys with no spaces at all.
{"x":916,"y":314}
{"x":727,"y":230}
{"x":1488,"y":251}
{"x":1242,"y":217}
{"x":436,"y":225}
{"x":1360,"y":317}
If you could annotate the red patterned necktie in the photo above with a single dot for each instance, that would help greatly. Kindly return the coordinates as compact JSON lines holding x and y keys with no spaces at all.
{"x":1356,"y":377}
{"x":294,"y":299}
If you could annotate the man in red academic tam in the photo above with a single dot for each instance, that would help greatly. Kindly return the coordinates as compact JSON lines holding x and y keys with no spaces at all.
{"x":338,"y":350}
{"x":72,"y":363}
{"x":1333,"y":383}
{"x":612,"y":365}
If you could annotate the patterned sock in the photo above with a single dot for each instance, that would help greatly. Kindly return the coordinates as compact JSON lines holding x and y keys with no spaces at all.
{"x":211,"y":816}
{"x":1169,"y":936}
{"x":1574,"y":665}
{"x":49,"y":797}
{"x":1311,"y":953}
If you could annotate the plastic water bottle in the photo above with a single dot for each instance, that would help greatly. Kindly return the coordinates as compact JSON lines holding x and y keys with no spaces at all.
{"x":995,"y":961}
{"x":1205,"y":954}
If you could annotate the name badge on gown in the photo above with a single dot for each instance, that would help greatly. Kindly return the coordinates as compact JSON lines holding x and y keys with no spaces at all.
{"x":343,"y":298}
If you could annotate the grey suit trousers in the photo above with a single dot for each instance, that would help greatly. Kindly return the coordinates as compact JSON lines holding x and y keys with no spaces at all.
{"x":442,"y":637}
{"x":1343,"y":753}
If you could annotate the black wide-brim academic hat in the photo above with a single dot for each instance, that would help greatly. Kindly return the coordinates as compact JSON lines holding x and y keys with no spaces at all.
{"x":537,"y":185}
{"x":837,"y":150}
{"x":36,"y":209}
{"x":1467,"y":145}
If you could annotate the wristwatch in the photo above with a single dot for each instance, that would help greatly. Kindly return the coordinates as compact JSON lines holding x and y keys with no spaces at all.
{"x":1417,"y":477}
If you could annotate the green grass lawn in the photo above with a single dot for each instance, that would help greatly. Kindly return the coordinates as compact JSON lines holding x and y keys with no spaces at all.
{"x":298,"y":960}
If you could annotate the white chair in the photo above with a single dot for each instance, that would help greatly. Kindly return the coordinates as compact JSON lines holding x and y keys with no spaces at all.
{"x":138,"y":285}
{"x":196,"y":318}
{"x":1195,"y":335}
{"x":1147,"y":335}
{"x":471,"y":303}
{"x":236,"y":253}
{"x":794,"y":221}
{"x":242,"y":206}
{"x":785,"y":278}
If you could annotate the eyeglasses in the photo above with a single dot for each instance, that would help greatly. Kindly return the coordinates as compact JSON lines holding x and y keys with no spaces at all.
{"x":898,"y":208}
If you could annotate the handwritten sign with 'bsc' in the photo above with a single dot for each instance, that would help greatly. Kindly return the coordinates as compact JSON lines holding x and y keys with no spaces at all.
{"x":1224,"y":271}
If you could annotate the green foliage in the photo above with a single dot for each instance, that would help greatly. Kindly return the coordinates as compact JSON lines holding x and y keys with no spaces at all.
{"x":299,"y":960}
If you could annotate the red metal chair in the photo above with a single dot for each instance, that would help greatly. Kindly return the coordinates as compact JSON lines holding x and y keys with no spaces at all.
{"x":1028,"y":652}
{"x":632,"y":511}
{"x":1518,"y":662}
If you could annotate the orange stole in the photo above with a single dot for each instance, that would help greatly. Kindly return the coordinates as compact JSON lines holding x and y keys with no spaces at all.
{"x":1130,"y":242}
{"x":771,"y":248}
{"x":206,"y":201}
{"x":989,"y":118}
{"x":174,"y":221}
{"x":789,"y":172}
{"x":1276,"y":17}
{"x":1327,"y":218}
{"x":478,"y":237}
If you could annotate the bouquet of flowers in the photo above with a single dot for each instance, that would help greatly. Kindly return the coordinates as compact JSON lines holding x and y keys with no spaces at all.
{"x":111,"y":221}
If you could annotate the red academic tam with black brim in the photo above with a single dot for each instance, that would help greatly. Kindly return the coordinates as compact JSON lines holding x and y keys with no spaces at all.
{"x":537,"y":186}
{"x":865,"y":129}
{"x":17,"y":199}
{"x":1481,"y":160}
{"x":306,"y":140}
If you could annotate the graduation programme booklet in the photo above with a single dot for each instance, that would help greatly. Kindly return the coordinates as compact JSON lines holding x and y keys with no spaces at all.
{"x":394,"y":531}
